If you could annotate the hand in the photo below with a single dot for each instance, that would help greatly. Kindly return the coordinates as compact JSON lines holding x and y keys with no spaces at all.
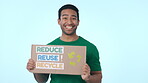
{"x":86,"y":72}
{"x":30,"y":65}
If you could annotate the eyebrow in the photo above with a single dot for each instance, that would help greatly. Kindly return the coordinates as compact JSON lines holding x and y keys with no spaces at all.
{"x":68,"y":15}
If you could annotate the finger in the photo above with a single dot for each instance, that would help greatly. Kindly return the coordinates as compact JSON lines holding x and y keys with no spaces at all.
{"x":30,"y":67}
{"x":31,"y":60}
{"x":86,"y":68}
{"x":30,"y":64}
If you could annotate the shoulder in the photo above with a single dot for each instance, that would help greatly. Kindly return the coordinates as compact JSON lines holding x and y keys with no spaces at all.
{"x":86,"y":42}
{"x":91,"y":48}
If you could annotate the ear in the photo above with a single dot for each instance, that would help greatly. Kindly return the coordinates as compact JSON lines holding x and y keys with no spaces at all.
{"x":59,"y":20}
{"x":78,"y":22}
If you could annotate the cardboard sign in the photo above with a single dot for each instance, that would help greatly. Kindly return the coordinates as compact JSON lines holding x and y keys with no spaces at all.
{"x":58,"y":59}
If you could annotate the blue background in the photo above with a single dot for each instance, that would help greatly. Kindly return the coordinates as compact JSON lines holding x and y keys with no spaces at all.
{"x":119,"y":29}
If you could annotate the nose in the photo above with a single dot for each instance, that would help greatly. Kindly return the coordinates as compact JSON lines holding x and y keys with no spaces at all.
{"x":69,"y":21}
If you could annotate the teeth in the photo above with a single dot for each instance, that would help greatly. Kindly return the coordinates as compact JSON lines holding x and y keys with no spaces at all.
{"x":68,"y":27}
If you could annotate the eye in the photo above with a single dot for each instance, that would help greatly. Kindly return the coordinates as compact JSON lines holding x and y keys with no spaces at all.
{"x":65,"y":18}
{"x":74,"y":18}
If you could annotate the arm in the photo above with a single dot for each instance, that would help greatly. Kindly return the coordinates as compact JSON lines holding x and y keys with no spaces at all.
{"x":91,"y":76}
{"x":40,"y":78}
{"x":95,"y":77}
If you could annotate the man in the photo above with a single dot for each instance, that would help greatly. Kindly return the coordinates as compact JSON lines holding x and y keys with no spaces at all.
{"x":68,"y":21}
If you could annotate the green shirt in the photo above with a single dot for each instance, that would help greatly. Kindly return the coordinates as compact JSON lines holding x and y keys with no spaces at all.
{"x":92,"y":59}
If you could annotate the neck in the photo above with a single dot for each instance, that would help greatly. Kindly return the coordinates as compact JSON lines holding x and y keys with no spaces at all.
{"x":69,"y":38}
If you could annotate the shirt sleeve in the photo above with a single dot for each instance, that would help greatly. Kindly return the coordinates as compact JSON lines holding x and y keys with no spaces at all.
{"x":93,"y":58}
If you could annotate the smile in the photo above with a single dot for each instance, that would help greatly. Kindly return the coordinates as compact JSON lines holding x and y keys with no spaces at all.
{"x":68,"y":27}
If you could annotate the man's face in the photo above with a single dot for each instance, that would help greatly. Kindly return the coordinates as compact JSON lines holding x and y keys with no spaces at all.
{"x":68,"y":21}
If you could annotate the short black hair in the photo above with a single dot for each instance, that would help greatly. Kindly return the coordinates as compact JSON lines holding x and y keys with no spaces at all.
{"x":68,"y":6}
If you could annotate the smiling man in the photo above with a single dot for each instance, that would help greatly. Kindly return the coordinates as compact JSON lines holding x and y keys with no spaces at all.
{"x":69,"y":21}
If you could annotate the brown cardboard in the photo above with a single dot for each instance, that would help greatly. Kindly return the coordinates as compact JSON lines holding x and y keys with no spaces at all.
{"x":58,"y":59}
